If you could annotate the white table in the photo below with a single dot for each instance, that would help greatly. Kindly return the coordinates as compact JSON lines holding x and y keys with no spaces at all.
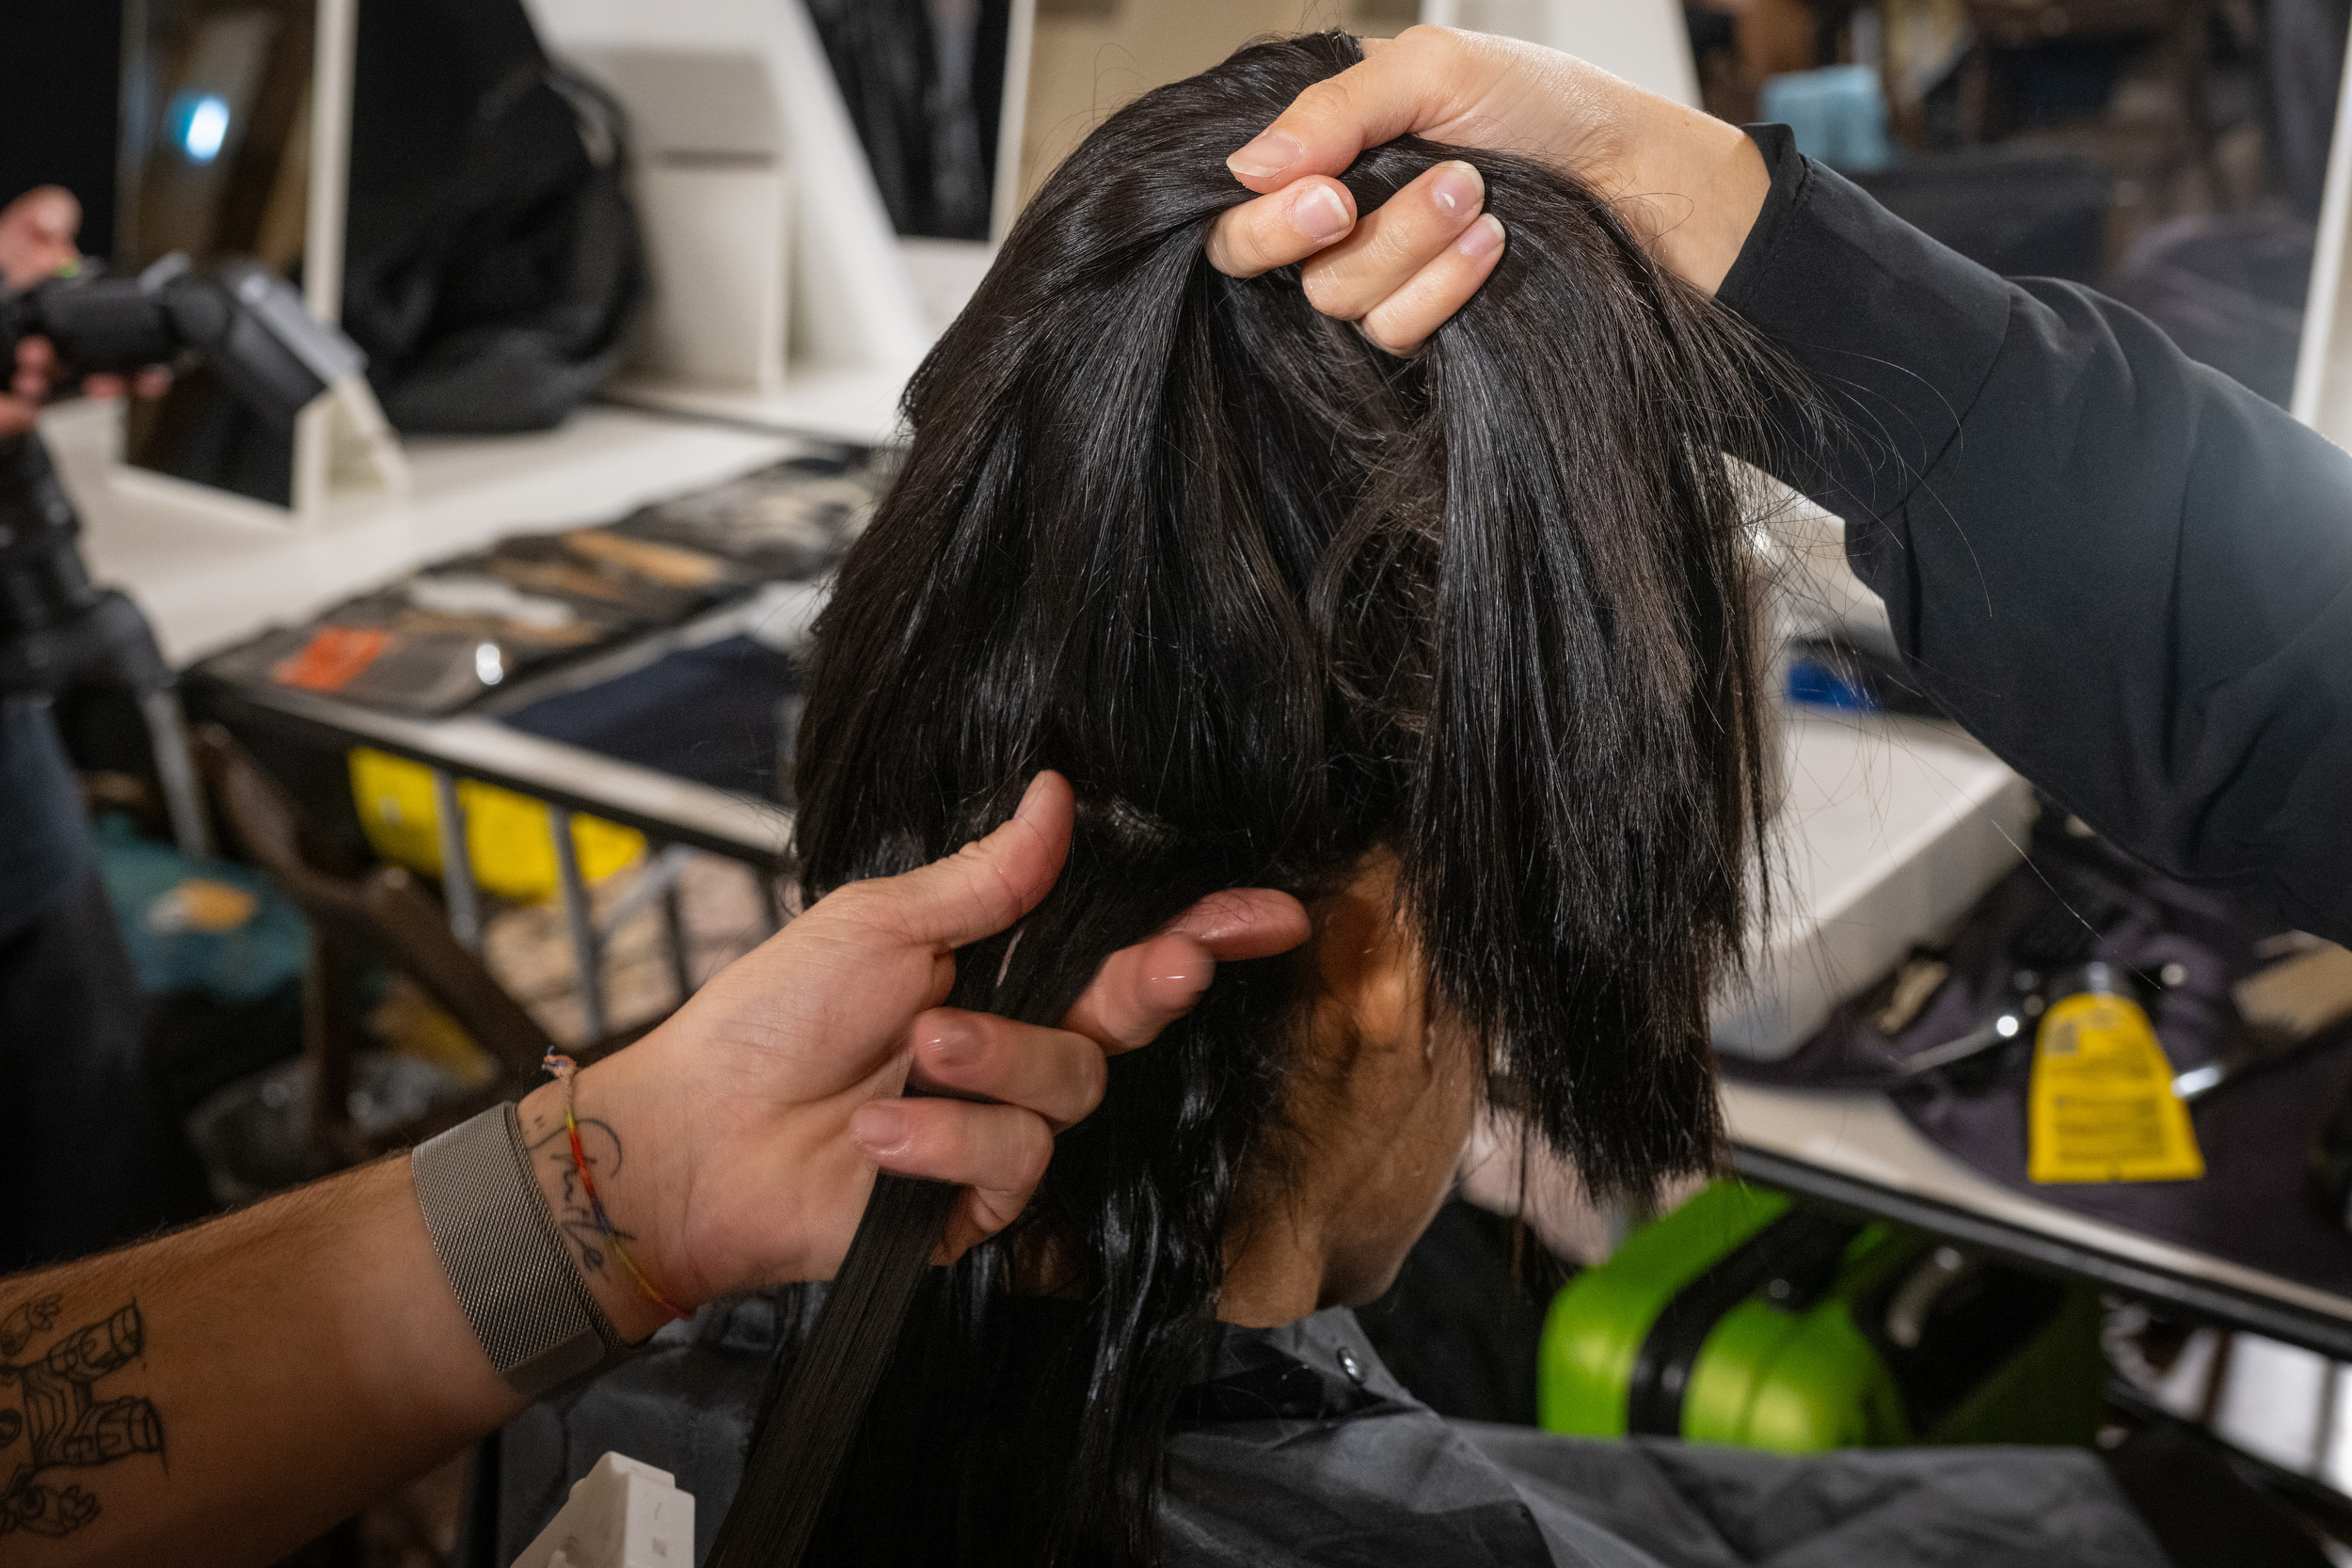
{"x":213,"y":573}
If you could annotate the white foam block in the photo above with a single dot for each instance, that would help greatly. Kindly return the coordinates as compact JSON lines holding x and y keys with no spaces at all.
{"x":622,"y":1513}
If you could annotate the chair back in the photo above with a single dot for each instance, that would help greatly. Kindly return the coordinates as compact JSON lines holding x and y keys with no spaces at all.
{"x":385,"y":914}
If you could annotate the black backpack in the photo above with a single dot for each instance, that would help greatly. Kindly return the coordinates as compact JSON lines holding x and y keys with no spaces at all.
{"x":493,"y":267}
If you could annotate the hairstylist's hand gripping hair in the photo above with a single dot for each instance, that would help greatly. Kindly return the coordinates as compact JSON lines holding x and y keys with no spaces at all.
{"x":302,"y":1355}
{"x":1690,"y":183}
{"x":741,"y":1139}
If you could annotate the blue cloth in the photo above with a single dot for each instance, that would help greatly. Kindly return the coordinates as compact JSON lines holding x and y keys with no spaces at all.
{"x":714,"y":714}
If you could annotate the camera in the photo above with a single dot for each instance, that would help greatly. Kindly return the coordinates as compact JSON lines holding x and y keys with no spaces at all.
{"x":56,"y":626}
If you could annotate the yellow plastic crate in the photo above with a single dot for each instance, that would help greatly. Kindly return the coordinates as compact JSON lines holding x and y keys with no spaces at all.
{"x":508,"y":837}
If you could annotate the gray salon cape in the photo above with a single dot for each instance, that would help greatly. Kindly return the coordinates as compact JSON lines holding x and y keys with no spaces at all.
{"x":1300,"y":1449}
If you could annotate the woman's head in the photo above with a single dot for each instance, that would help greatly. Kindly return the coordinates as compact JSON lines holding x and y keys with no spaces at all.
{"x":1290,"y":613}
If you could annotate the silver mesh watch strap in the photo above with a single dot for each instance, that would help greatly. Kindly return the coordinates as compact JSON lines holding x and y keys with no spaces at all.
{"x":499,"y":1247}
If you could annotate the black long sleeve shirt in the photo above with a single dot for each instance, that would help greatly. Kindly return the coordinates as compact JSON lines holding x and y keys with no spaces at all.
{"x":2127,"y":575}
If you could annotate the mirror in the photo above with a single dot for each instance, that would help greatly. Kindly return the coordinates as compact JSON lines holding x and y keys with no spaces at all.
{"x":215,"y":138}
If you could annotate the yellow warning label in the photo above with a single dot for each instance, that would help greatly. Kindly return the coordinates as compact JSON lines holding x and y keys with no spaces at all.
{"x":2102,"y":1106}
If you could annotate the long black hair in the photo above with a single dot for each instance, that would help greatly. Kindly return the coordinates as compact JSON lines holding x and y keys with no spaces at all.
{"x":1271,"y":599}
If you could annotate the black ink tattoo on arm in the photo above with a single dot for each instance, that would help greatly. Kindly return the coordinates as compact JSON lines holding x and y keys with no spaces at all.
{"x":18,"y":1328}
{"x":60,"y":1422}
{"x":575,"y":1216}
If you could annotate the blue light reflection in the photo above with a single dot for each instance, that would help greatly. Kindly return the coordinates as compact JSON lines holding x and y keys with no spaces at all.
{"x":197,"y":124}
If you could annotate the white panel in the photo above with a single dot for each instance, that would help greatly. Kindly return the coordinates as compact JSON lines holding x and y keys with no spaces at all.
{"x":2323,"y":378}
{"x":716,"y":239}
{"x":853,"y":309}
{"x":713,"y":192}
{"x":1004,"y":199}
{"x":1646,"y":42}
{"x":323,"y":234}
{"x":692,"y":103}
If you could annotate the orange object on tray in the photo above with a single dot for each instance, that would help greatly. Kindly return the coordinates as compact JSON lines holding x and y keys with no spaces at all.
{"x":333,"y":658}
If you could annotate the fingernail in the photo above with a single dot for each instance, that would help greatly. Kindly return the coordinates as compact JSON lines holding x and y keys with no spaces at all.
{"x":1480,"y":239}
{"x":1179,"y":983}
{"x":953,"y":1045}
{"x":880,"y":1128}
{"x":1271,"y":153}
{"x":1457,"y":189}
{"x":1320,"y":213}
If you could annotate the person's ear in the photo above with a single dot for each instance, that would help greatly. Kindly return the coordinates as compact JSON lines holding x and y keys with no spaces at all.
{"x":1369,"y":983}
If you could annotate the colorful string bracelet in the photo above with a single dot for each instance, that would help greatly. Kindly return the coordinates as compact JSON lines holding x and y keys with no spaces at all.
{"x":566,"y":1071}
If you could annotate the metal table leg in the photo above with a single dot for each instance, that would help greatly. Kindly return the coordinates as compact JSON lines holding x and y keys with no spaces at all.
{"x":457,"y":885}
{"x":184,"y":802}
{"x":587,"y":952}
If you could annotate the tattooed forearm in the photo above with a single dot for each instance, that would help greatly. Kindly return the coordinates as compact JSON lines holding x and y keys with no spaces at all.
{"x":18,"y":1328}
{"x":57,"y":1421}
{"x":550,"y":1147}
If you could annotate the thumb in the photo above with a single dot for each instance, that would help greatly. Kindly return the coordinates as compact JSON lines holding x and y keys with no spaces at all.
{"x":1401,"y":86}
{"x":991,"y":882}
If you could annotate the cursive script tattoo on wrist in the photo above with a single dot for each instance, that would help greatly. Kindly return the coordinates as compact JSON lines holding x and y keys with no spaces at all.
{"x":58,"y":1422}
{"x":575,"y":1216}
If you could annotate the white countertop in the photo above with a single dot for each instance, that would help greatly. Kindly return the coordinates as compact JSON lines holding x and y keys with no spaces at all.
{"x":210,"y":572}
